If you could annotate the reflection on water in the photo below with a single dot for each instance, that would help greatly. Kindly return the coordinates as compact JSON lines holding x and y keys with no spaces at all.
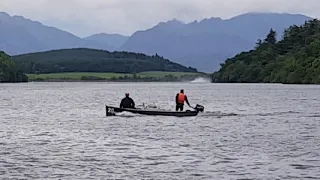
{"x":59,"y":131}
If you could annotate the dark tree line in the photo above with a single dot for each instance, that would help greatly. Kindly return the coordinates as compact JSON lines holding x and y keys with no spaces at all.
{"x":90,"y":60}
{"x":293,"y":59}
{"x":9,"y":72}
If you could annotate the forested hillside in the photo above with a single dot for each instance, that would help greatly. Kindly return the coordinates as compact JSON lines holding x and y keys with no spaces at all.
{"x":9,"y":72}
{"x":293,"y":59}
{"x":90,"y":60}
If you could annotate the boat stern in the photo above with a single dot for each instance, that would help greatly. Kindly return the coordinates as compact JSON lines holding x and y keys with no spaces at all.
{"x":110,"y":111}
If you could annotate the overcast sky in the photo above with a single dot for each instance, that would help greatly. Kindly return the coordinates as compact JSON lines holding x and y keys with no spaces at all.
{"x":86,"y":17}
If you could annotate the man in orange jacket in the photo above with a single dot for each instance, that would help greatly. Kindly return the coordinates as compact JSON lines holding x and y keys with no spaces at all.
{"x":180,"y":98}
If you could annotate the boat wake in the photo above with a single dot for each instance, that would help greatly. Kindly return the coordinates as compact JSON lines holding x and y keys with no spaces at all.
{"x":216,"y":114}
{"x":127,"y":114}
{"x":201,"y":80}
{"x":204,"y":114}
{"x":268,"y":114}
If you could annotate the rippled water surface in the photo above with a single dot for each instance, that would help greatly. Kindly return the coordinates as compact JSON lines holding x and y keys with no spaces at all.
{"x":60,"y":131}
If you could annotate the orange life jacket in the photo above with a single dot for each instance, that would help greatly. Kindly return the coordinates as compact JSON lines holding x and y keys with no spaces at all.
{"x":181,"y":98}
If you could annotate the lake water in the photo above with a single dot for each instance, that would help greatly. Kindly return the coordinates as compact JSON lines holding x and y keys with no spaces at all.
{"x":249,"y":131}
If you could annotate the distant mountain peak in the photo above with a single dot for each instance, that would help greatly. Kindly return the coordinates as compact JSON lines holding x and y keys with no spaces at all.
{"x":175,"y":21}
{"x":194,"y":22}
{"x":112,"y":40}
{"x":21,"y":18}
{"x":212,"y":19}
{"x":4,"y":14}
{"x":108,"y":34}
{"x":258,"y":14}
{"x":268,"y":13}
{"x":7,"y":16}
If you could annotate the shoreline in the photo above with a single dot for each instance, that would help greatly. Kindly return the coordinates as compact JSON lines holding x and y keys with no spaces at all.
{"x":74,"y":80}
{"x":141,"y":81}
{"x":117,"y":77}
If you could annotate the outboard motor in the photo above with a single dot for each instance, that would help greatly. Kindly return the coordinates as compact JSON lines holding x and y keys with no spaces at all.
{"x":199,"y":108}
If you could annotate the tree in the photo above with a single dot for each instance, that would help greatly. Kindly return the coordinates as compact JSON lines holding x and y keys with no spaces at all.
{"x":293,"y":59}
{"x":258,"y":43}
{"x":9,"y":72}
{"x":271,"y":37}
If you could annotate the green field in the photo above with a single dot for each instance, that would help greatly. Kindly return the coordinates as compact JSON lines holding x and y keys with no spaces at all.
{"x":73,"y":76}
{"x":106,"y":76}
{"x":161,"y":74}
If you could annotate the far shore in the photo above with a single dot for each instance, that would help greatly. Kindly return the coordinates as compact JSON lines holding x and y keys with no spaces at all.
{"x":153,"y":76}
{"x":105,"y":80}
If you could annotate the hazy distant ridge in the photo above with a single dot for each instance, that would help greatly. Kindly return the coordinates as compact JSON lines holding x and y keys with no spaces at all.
{"x":207,"y":43}
{"x":203,"y":45}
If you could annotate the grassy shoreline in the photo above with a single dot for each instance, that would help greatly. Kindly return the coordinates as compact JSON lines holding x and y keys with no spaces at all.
{"x":152,"y":76}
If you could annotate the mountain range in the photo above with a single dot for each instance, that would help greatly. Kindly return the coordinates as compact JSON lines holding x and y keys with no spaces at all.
{"x":202,"y":45}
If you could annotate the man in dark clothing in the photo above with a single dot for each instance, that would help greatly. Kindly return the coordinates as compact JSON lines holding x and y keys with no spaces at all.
{"x":180,"y":98}
{"x":127,"y":102}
